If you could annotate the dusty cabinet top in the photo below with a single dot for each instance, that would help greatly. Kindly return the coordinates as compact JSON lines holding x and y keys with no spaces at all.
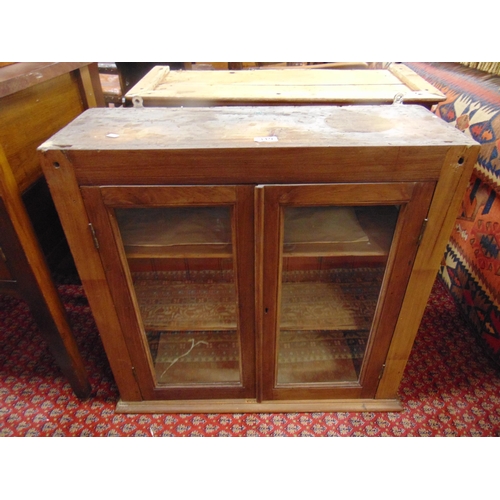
{"x":256,"y":144}
{"x":255,"y":127}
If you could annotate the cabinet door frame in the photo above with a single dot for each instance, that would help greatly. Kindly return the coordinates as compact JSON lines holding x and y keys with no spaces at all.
{"x":414,"y":200}
{"x":101,"y":202}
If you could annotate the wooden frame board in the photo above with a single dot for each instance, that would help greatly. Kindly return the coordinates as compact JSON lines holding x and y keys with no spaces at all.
{"x":290,"y":86}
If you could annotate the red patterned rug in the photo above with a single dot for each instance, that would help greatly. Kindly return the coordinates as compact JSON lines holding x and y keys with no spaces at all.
{"x":450,"y":388}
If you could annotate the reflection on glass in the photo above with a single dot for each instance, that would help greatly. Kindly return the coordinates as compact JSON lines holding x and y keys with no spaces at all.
{"x":334,"y":259}
{"x":182,"y":267}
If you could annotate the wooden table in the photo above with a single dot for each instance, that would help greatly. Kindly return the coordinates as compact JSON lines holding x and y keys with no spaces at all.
{"x":289,"y":86}
{"x":36,"y":100}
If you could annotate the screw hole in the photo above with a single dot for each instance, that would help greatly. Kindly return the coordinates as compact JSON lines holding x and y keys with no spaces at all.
{"x":266,"y":310}
{"x":56,"y":164}
{"x":461,"y":160}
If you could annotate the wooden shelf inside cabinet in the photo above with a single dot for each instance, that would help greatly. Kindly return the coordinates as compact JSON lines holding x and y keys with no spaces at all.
{"x":338,"y":231}
{"x":180,"y":306}
{"x":178,"y":251}
{"x":168,"y":306}
{"x":176,"y":232}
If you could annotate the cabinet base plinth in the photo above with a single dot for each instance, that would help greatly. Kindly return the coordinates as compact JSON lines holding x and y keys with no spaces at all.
{"x":252,"y":406}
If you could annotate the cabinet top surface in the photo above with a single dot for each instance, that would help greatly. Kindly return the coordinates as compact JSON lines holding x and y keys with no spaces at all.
{"x":255,"y":127}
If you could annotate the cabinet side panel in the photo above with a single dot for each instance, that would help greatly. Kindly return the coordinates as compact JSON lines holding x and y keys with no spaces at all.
{"x":457,"y":167}
{"x":67,"y":198}
{"x":405,"y":244}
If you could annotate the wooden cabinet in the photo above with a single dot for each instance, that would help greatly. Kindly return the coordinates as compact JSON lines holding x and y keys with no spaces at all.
{"x":258,"y":258}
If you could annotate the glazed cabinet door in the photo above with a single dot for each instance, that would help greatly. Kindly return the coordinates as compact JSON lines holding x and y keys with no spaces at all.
{"x":336,"y":260}
{"x":179,"y":265}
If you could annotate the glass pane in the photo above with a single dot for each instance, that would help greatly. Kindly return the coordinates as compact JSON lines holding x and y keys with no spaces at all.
{"x":333,"y":263}
{"x":182,"y":267}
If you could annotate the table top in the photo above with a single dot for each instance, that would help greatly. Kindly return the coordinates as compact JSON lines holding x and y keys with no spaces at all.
{"x":19,"y":76}
{"x":163,"y":87}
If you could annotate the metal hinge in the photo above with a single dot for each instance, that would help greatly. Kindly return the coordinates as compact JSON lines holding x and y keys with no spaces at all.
{"x":422,"y":231}
{"x":2,"y":255}
{"x":381,"y":371}
{"x":94,"y":237}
